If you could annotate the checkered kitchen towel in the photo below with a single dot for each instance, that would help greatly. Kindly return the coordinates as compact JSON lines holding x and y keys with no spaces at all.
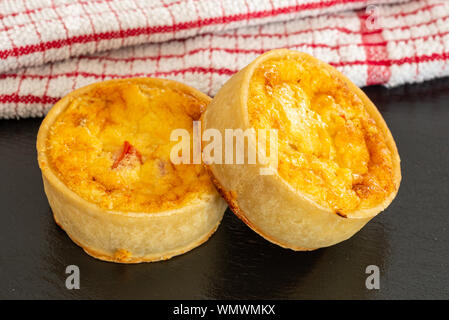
{"x":50,"y":47}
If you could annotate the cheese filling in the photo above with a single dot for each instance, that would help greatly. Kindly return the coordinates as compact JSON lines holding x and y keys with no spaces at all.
{"x":329,"y":147}
{"x":112,"y":146}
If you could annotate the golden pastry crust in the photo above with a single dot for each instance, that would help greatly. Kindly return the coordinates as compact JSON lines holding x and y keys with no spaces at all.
{"x":124,"y":256}
{"x":231,"y":199}
{"x":127,"y":236}
{"x":278,"y":210}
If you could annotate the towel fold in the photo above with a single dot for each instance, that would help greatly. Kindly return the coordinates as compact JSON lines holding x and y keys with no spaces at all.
{"x":48,"y":48}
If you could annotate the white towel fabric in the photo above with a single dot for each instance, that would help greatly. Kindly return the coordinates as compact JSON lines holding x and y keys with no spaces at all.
{"x":48,"y":48}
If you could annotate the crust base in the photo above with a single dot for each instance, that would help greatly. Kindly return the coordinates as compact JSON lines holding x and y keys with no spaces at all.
{"x":133,"y":260}
{"x":233,"y":205}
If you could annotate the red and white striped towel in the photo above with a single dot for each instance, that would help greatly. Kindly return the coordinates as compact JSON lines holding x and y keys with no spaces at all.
{"x":48,"y":48}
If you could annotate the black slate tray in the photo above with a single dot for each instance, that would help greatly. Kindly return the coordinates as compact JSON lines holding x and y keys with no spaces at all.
{"x":409,"y":241}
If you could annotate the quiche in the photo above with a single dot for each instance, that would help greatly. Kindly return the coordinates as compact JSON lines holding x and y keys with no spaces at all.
{"x":337,"y":165}
{"x":104,"y":151}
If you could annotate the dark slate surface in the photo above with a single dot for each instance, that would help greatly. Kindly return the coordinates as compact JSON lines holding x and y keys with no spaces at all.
{"x":409,"y":241}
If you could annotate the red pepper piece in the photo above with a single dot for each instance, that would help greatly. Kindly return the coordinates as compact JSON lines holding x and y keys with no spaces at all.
{"x":128,"y":149}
